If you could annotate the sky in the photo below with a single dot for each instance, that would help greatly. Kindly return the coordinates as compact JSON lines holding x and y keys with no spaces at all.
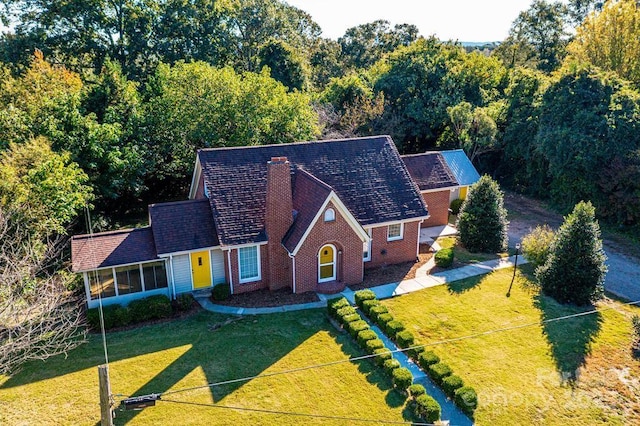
{"x":461,"y":20}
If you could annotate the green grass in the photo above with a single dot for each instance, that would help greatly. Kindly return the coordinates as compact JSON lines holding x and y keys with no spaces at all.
{"x":462,"y":255}
{"x":574,"y":372}
{"x":186,"y":353}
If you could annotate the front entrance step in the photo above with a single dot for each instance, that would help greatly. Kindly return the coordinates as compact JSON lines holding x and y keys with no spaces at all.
{"x":203,"y":292}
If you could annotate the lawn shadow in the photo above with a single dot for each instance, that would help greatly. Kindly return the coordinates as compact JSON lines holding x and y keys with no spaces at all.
{"x":462,"y":286}
{"x":570,"y":339}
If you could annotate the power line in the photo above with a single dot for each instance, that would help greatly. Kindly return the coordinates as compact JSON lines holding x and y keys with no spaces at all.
{"x":298,"y":414}
{"x":362,"y":357}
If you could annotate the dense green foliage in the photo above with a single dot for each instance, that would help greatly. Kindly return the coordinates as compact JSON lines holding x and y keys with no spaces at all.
{"x":402,"y":378}
{"x":450,"y":384}
{"x":150,"y":308}
{"x":482,"y":221}
{"x":444,"y":257}
{"x":575,"y":269}
{"x":536,"y":244}
{"x":466,"y":398}
{"x":427,"y":408}
{"x":428,"y":358}
{"x":220,"y":292}
{"x":438,"y":372}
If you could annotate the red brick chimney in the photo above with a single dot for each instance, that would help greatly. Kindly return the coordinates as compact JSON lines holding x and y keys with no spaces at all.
{"x":278,"y":220}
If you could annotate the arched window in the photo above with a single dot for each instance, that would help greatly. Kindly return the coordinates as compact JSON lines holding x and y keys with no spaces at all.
{"x":327,"y":263}
{"x":329,"y":215}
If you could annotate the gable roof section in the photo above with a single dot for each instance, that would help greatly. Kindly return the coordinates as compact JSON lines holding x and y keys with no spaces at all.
{"x":367,"y":174}
{"x":182,"y":226}
{"x":113,"y":248}
{"x":429,"y":171}
{"x":461,"y":167}
{"x":309,"y":195}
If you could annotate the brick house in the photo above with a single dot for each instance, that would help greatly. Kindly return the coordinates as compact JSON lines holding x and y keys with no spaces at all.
{"x":308,"y":216}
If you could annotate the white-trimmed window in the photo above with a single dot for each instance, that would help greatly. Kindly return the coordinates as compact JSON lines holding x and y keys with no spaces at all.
{"x":394,"y":232}
{"x":327,"y":263}
{"x":249,"y":264}
{"x":329,"y":215}
{"x":101,"y":283}
{"x":366,"y":247}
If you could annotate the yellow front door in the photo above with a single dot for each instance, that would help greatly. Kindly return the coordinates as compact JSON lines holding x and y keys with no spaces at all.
{"x":201,"y":269}
{"x":327,"y":263}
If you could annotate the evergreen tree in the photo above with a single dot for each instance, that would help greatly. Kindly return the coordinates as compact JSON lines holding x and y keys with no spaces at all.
{"x":482,"y":221}
{"x":574,"y":271}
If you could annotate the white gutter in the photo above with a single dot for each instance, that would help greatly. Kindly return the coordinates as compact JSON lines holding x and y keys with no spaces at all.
{"x":293,"y":259}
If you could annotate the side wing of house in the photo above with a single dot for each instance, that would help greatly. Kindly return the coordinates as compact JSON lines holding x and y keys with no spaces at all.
{"x":463,"y":171}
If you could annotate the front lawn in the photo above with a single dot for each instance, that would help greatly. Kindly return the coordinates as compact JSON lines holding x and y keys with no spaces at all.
{"x":462,"y":256}
{"x":185,"y":353}
{"x":578,"y":371}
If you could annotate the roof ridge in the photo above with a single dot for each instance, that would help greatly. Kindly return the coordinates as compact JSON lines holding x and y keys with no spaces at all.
{"x":420,"y":154}
{"x":105,"y":233}
{"x":174,"y":203}
{"x":319,"y":141}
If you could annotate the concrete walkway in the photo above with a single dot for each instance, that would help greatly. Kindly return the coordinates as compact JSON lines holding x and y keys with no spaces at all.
{"x":382,"y":292}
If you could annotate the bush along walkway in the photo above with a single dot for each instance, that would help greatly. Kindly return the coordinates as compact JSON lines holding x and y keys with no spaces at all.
{"x":373,"y":342}
{"x":450,"y":388}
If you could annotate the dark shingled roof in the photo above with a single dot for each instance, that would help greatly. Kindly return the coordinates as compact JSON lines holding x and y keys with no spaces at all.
{"x":112,"y":248}
{"x":367,"y":174}
{"x":182,"y":225}
{"x":429,"y":171}
{"x":309,"y":193}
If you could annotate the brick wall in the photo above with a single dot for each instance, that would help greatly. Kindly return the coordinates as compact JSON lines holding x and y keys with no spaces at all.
{"x":256,"y":285}
{"x":385,"y":252}
{"x":349,"y":268}
{"x":438,"y":206}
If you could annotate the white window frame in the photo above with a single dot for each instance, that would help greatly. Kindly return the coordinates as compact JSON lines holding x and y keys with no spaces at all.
{"x":366,"y":247}
{"x":395,"y":237}
{"x":254,"y":278}
{"x":334,"y":263}
{"x":329,"y":215}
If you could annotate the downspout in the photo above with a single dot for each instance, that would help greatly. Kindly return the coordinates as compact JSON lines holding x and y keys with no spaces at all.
{"x":293,"y":259}
{"x":418,"y":242}
{"x":230,"y":273}
{"x":173,"y":278}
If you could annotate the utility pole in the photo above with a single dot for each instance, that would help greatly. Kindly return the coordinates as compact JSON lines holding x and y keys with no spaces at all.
{"x":106,"y":416}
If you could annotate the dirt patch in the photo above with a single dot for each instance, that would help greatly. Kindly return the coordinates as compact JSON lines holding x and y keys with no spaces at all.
{"x":266,"y":298}
{"x":393,"y":273}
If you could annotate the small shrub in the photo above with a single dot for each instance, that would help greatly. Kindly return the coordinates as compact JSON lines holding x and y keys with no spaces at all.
{"x":383,"y":354}
{"x":355,"y":327}
{"x":351,"y":318}
{"x":368,"y":304}
{"x":427,"y":358}
{"x":376,"y":311}
{"x":390,"y":365}
{"x":362,"y":295}
{"x":427,"y":409}
{"x":121,"y":316}
{"x":450,"y":384}
{"x":183,"y":302}
{"x":416,"y":390}
{"x":344,"y":312}
{"x":220,"y":292}
{"x":154,"y":307}
{"x":466,"y":398}
{"x":404,"y":338}
{"x":109,"y":314}
{"x":415,"y":352}
{"x":372,"y":345}
{"x":93,"y":319}
{"x":444,"y":258}
{"x":384,"y":319}
{"x":438,"y":372}
{"x":336,"y":303}
{"x":401,"y":378}
{"x":365,"y":335}
{"x":536,"y":245}
{"x":393,"y":327}
{"x":455,"y":205}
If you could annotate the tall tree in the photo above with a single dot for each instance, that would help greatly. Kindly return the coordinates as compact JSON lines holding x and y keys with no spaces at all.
{"x":197,"y":106}
{"x":482,"y":221}
{"x":575,"y":268}
{"x":365,"y":44}
{"x":611,"y":39}
{"x":285,"y":64}
{"x":537,"y":37}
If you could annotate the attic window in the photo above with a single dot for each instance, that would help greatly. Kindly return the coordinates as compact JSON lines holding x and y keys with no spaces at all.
{"x":329,"y":215}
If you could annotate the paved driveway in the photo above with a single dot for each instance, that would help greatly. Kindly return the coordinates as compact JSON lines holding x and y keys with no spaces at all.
{"x":623,"y":278}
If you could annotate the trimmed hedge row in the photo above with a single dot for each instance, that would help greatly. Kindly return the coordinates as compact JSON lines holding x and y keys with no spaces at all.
{"x":453,"y":386}
{"x":346,"y":315}
{"x":150,"y":308}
